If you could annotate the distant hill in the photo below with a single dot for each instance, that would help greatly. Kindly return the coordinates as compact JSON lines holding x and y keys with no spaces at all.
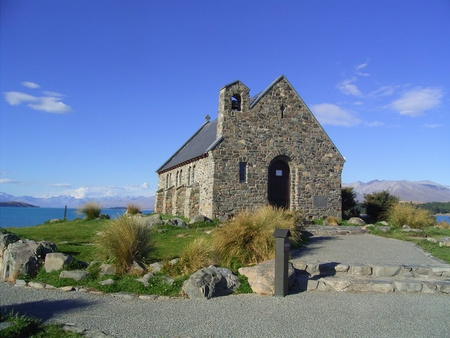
{"x":17,"y":205}
{"x":72,"y":202}
{"x":422,"y":191}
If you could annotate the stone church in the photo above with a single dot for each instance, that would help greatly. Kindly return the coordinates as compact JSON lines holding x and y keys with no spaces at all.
{"x":265,"y":149}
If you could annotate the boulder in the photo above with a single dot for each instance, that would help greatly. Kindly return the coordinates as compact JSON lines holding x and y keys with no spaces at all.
{"x":199,"y":218}
{"x":444,"y":241}
{"x":262,"y":277}
{"x":107,"y":269}
{"x":74,"y":274}
{"x":210,"y":282}
{"x":24,"y":257}
{"x":5,"y":240}
{"x":56,"y":261}
{"x":156,"y":267}
{"x":357,"y":221}
{"x":152,"y":220}
{"x":177,"y":222}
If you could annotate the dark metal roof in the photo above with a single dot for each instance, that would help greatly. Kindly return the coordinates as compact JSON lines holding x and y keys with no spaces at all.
{"x":198,"y":145}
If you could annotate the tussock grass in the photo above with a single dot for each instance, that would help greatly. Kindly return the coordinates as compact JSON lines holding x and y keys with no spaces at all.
{"x":91,"y":210}
{"x":125,"y":240}
{"x":248,"y":239}
{"x":197,"y":255}
{"x":402,"y":213}
{"x":133,"y":209}
{"x":334,"y":221}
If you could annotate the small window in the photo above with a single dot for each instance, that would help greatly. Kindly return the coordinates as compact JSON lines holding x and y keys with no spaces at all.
{"x":189,"y":176}
{"x":180,"y":178}
{"x":193,"y":174}
{"x":242,"y":172}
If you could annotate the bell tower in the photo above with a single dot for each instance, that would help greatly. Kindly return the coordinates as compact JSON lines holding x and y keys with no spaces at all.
{"x":234,"y":99}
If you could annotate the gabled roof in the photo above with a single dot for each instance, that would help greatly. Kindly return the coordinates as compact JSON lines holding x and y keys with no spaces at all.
{"x":254,"y":100}
{"x":197,"y":146}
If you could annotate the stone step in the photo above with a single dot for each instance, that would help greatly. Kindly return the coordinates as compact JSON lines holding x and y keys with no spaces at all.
{"x":323,"y":269}
{"x":359,"y":277}
{"x":370,"y":284}
{"x":328,"y":230}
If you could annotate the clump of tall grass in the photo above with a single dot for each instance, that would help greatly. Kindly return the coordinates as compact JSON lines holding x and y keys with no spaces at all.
{"x":331,"y":220}
{"x":125,"y":240}
{"x":90,"y":210}
{"x":403,"y":213}
{"x":248,"y":239}
{"x":197,"y":255}
{"x":133,"y":209}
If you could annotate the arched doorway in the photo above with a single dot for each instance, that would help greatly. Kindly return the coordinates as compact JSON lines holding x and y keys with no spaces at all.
{"x":278,"y":190}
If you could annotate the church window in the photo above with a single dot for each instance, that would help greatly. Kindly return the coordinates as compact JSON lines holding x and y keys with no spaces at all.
{"x":180,"y":178}
{"x":193,"y":174}
{"x":189,"y":176}
{"x":242,"y":172}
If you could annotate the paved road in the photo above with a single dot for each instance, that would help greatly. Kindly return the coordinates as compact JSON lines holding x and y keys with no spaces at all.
{"x":308,"y":314}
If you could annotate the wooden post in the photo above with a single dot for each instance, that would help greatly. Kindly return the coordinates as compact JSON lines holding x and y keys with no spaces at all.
{"x":65,"y":212}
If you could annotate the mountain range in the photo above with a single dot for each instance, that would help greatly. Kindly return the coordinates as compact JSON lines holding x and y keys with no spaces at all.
{"x":72,"y":202}
{"x":420,"y":192}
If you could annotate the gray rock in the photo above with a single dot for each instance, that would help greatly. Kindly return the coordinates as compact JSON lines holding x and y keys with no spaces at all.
{"x":206,"y":283}
{"x":199,"y":218}
{"x":386,"y":270}
{"x":337,"y":283}
{"x":360,"y":270}
{"x":177,"y":222}
{"x":262,"y":277}
{"x":382,"y":286}
{"x":36,"y":285}
{"x":24,"y":257}
{"x":408,"y":286}
{"x":156,"y":267}
{"x":144,"y":279}
{"x":55,"y":261}
{"x":445,"y":241}
{"x":107,"y":269}
{"x":74,"y":274}
{"x":106,"y":282}
{"x":357,"y":221}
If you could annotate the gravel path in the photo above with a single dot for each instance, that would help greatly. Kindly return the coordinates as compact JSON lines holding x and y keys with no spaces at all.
{"x":368,"y":249}
{"x":308,"y":314}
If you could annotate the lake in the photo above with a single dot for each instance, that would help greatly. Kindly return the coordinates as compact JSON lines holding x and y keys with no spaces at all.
{"x":24,"y":217}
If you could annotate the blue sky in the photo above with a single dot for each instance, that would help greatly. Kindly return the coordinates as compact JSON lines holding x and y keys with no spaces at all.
{"x":96,"y":95}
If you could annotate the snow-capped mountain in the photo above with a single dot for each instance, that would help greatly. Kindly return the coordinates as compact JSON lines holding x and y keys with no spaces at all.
{"x":72,"y":202}
{"x":422,"y":191}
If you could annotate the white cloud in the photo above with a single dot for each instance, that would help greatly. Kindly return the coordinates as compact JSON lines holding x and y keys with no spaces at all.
{"x":362,"y":65}
{"x":432,"y":126}
{"x":383,"y":91}
{"x":416,"y":101}
{"x":7,"y":180}
{"x":29,"y":84}
{"x":330,"y":114}
{"x":59,"y":185}
{"x":49,"y":103}
{"x":374,"y":124}
{"x":348,"y":88}
{"x":16,"y":98}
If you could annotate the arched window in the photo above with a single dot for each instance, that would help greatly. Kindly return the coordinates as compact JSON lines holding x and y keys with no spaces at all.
{"x":236,"y":102}
{"x":193,"y":174}
{"x":176,"y":180}
{"x":189,"y":176}
{"x":180,"y":178}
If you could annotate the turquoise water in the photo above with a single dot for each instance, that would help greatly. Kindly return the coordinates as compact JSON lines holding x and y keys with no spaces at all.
{"x":24,"y":217}
{"x":443,"y":218}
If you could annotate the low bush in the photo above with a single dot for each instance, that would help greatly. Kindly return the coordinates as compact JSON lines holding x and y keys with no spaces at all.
{"x":125,"y":240}
{"x":248,"y":239}
{"x":402,"y":213}
{"x":90,"y":210}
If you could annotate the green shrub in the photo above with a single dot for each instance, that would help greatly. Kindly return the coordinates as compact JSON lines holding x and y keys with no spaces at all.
{"x":125,"y":240}
{"x":248,"y":239}
{"x":133,"y":209}
{"x":349,"y":205}
{"x":91,"y":210}
{"x":402,"y":213}
{"x":377,"y":204}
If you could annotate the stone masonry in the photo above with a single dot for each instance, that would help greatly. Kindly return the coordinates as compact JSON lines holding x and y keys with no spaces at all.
{"x":252,"y":134}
